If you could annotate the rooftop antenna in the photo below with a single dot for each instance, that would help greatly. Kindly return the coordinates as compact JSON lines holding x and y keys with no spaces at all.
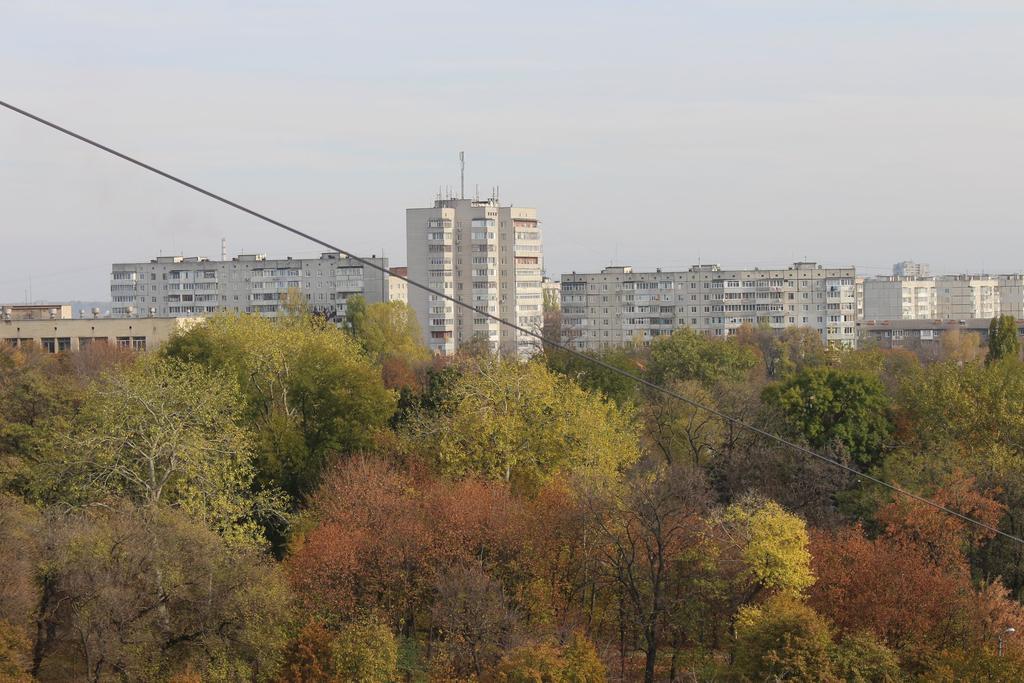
{"x":477,"y":193}
{"x":223,"y":249}
{"x":462,"y":174}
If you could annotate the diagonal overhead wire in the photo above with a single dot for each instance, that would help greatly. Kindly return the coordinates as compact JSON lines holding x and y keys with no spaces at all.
{"x":799,"y":448}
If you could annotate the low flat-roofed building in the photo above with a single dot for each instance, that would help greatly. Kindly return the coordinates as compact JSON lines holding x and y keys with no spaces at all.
{"x":58,"y":335}
{"x":918,"y":334}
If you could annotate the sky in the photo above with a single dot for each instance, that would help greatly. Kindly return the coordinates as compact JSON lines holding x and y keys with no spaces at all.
{"x":652,"y":134}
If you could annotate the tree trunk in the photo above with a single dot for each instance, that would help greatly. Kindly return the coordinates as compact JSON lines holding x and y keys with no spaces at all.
{"x":652,"y":654}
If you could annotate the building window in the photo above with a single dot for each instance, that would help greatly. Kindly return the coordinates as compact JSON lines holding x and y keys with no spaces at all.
{"x":124,"y":342}
{"x":138,"y":343}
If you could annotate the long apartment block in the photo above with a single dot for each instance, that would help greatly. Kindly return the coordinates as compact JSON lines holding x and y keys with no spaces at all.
{"x":481,"y":253}
{"x":941,"y":297}
{"x":170,"y":286}
{"x":618,"y":306}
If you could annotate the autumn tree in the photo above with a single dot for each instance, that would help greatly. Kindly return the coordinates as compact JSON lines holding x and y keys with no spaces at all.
{"x":679,"y":430}
{"x":114,"y":603}
{"x":160,"y":434}
{"x":784,"y":351}
{"x":521,"y":423}
{"x":783,"y":639}
{"x":310,"y":391}
{"x":649,"y":531}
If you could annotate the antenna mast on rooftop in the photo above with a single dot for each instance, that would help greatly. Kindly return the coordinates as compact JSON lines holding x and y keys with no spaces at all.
{"x":462,"y":174}
{"x":223,"y":249}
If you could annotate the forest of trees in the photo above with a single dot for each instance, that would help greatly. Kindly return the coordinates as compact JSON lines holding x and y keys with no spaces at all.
{"x":293,"y":501}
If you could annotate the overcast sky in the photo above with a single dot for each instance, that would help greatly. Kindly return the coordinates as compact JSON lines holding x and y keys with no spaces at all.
{"x":646,"y":133}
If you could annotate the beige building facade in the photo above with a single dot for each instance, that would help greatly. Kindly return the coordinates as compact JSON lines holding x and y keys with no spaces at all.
{"x":899,"y":298}
{"x":619,"y":306}
{"x":61,"y":335}
{"x":484,"y":254}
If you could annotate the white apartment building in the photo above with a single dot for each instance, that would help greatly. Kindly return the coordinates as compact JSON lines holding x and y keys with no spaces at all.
{"x":484,"y":254}
{"x":618,"y":306}
{"x":170,"y":286}
{"x":899,"y":298}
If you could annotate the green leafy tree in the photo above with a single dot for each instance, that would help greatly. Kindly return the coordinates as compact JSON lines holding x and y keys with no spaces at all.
{"x":1003,"y":341}
{"x":782,"y":639}
{"x":598,"y":378}
{"x":686,"y":355}
{"x":390,"y":330}
{"x":828,"y":406}
{"x":310,"y":391}
{"x":161,"y":434}
{"x":522,"y":423}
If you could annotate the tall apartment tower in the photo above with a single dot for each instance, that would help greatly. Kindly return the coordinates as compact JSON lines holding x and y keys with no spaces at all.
{"x":486,"y":255}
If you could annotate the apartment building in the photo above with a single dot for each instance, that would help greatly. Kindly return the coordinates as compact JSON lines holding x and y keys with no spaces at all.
{"x":1011,"y":295}
{"x":941,"y":297}
{"x":398,"y":289}
{"x":910,"y":269}
{"x":619,"y":306}
{"x":481,"y":253}
{"x":962,"y":297}
{"x":899,"y":298}
{"x":248,"y":283}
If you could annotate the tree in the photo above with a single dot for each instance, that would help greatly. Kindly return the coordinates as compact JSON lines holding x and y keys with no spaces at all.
{"x":161,"y":434}
{"x":767,"y":546}
{"x":783,"y":639}
{"x":389,"y":330}
{"x":651,"y":534}
{"x":310,"y":391}
{"x":888,"y":587}
{"x":146,"y":594}
{"x":860,"y":658}
{"x":686,"y":355}
{"x":534,"y":663}
{"x":366,"y":650}
{"x":521,"y":423}
{"x":473,"y":614}
{"x":1002,"y":339}
{"x":681,"y":431}
{"x":598,"y":378}
{"x":825,"y":405}
{"x":582,"y":665}
{"x":784,"y":351}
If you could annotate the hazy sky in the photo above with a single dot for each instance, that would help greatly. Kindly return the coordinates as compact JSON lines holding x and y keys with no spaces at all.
{"x":646,"y":133}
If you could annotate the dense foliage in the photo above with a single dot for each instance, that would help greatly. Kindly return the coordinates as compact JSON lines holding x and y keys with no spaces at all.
{"x":294,"y":501}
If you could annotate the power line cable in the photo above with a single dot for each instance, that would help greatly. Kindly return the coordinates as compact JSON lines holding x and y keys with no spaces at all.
{"x":531,"y":333}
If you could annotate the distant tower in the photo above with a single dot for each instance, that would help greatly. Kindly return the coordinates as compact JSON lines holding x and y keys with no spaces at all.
{"x":462,"y":174}
{"x":223,"y":249}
